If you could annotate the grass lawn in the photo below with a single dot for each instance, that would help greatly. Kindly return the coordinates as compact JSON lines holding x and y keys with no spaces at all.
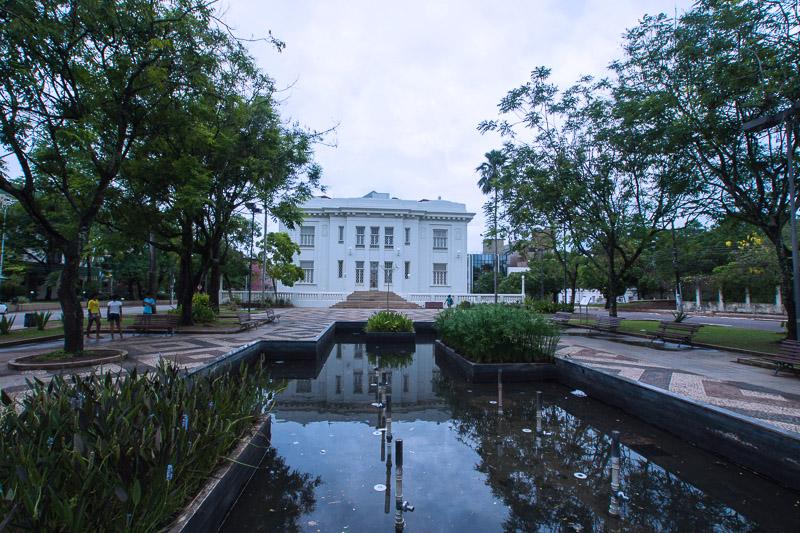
{"x":743,"y":338}
{"x":31,"y":333}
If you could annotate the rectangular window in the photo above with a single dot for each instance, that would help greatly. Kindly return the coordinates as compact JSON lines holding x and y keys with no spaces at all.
{"x":358,"y":351}
{"x":388,"y":237}
{"x":338,"y":351}
{"x":440,"y":273}
{"x":303,"y":386}
{"x":307,"y":236}
{"x":408,"y":235}
{"x":338,"y":384}
{"x":359,"y":236}
{"x":358,"y":381}
{"x":308,"y":271}
{"x":359,"y":272}
{"x":341,"y":234}
{"x":407,"y":270}
{"x":340,"y":268}
{"x":387,"y":271}
{"x":440,"y":239}
{"x":405,"y":382}
{"x":374,"y":236}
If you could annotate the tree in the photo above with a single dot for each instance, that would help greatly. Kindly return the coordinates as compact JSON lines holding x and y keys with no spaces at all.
{"x":78,"y":85}
{"x":279,"y":266}
{"x":612,"y":188}
{"x":491,"y":172}
{"x":697,"y":80}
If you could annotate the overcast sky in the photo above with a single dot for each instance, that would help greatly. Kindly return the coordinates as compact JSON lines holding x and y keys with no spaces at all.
{"x":408,"y":82}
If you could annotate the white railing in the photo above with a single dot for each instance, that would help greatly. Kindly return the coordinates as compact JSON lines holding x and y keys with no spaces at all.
{"x":299,"y":299}
{"x":327,"y":299}
{"x":421,"y":298}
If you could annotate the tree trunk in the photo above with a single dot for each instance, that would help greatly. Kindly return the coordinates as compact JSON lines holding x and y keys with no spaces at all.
{"x":787,"y":292}
{"x":152,"y":274}
{"x":185,"y":278}
{"x":611,"y":299}
{"x":70,"y":301}
{"x":214,"y":283}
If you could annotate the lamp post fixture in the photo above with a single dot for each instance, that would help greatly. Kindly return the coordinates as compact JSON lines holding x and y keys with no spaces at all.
{"x":5,"y":203}
{"x":787,"y":116}
{"x":253,"y":210}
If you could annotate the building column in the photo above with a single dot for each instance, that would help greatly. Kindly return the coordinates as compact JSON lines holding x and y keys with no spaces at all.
{"x":697,"y":296}
{"x":720,"y":301}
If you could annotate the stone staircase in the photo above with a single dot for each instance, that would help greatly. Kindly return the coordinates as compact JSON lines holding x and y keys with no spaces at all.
{"x":374,"y":300}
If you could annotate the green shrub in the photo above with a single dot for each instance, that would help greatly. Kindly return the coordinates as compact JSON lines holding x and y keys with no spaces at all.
{"x":201,"y":309}
{"x":389,"y":321}
{"x":546,"y":307}
{"x":5,"y":324}
{"x":42,"y":319}
{"x":498,"y":334}
{"x":119,"y":452}
{"x":464,"y":304}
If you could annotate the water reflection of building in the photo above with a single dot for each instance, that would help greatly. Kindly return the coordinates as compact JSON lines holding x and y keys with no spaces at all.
{"x":348,"y":377}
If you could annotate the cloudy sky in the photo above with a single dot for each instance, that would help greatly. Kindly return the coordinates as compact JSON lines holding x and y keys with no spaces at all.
{"x":406,"y":83}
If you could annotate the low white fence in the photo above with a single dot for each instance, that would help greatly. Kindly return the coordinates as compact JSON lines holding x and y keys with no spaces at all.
{"x":421,"y":298}
{"x":298,"y":299}
{"x":327,"y":299}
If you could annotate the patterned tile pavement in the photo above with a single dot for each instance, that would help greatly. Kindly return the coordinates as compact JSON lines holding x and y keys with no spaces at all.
{"x":773,"y":407}
{"x":306,"y":324}
{"x":194,"y":350}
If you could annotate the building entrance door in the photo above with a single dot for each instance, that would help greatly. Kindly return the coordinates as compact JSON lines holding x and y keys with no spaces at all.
{"x":373,"y":275}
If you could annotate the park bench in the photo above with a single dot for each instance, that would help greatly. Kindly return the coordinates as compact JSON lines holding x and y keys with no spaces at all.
{"x":434,"y":305}
{"x":155,"y":323}
{"x":607,"y":324}
{"x":247,"y":321}
{"x":562,"y":318}
{"x":788,"y":356}
{"x":677,"y":332}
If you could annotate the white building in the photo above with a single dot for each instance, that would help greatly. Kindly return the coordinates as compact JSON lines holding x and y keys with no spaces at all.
{"x":379,"y":243}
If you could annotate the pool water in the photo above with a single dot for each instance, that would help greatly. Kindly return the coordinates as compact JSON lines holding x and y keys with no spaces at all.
{"x":475,"y":459}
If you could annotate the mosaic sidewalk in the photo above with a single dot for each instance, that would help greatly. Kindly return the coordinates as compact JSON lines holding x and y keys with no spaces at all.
{"x":772,"y":407}
{"x":307,"y":324}
{"x":189,"y":350}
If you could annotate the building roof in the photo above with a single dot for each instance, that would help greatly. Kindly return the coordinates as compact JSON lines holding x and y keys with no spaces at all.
{"x":376,"y":201}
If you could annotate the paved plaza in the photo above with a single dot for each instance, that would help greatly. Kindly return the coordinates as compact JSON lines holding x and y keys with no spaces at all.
{"x":709,"y":376}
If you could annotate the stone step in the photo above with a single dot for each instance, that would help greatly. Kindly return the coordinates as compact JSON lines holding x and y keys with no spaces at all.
{"x":374,"y":300}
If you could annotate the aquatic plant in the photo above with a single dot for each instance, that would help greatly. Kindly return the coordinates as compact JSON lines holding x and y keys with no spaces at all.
{"x":498,"y":334}
{"x":116,"y":451}
{"x":388,"y":321}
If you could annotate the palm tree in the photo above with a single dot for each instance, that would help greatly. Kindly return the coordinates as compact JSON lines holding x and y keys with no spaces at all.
{"x":491,"y":172}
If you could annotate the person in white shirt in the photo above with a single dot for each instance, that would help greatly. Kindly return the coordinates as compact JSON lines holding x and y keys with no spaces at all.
{"x":115,"y":315}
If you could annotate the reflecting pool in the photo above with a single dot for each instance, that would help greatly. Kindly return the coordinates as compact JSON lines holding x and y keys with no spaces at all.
{"x":479,"y":458}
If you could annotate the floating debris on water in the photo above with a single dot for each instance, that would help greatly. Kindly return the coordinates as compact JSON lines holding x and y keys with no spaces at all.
{"x":493,"y":402}
{"x":526,"y":430}
{"x":580,"y":475}
{"x":579,"y":393}
{"x":380,"y":487}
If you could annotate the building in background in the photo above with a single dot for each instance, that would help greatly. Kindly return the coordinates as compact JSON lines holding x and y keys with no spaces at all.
{"x":381,"y":243}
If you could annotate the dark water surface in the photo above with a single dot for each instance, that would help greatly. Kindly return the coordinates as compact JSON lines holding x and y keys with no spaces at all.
{"x":474,"y":460}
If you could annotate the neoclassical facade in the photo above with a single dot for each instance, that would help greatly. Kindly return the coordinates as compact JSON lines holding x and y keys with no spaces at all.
{"x":379,"y":243}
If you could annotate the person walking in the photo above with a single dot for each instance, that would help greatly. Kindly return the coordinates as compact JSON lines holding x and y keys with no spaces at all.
{"x":93,"y":307}
{"x":115,"y":315}
{"x":449,"y":301}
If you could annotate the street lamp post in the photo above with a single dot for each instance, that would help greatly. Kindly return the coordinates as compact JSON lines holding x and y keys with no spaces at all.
{"x":253,"y":210}
{"x":761,"y":123}
{"x":5,"y":202}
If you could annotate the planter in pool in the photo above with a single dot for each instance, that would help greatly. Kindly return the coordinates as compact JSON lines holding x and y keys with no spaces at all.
{"x":487,"y":372}
{"x":390,"y":337}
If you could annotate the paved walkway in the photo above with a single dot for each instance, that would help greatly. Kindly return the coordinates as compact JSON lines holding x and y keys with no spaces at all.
{"x":189,"y":350}
{"x":708,"y":376}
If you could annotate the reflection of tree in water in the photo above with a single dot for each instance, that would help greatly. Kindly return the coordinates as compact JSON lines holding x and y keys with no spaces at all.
{"x":284,"y":494}
{"x":390,"y":356}
{"x":533,"y":474}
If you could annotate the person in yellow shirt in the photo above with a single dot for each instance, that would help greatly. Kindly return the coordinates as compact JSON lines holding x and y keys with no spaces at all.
{"x":94,"y":314}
